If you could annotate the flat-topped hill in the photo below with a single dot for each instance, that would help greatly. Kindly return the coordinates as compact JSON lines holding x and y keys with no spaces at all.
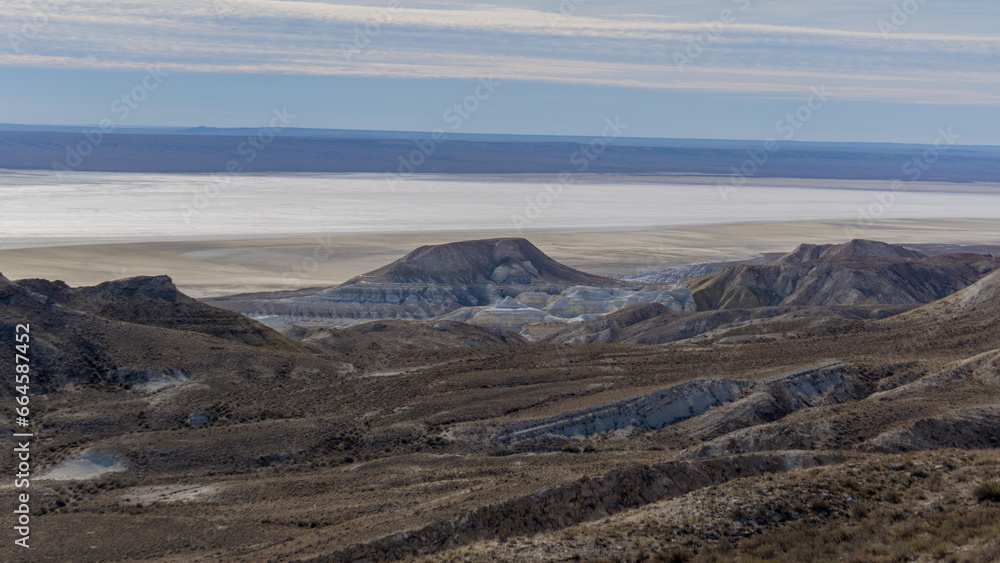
{"x":428,"y":282}
{"x":501,"y":261}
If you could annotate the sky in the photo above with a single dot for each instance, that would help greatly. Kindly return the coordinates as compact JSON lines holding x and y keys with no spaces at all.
{"x":852,"y":70}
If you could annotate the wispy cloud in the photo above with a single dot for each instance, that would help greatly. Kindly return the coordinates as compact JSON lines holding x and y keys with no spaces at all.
{"x":514,"y":42}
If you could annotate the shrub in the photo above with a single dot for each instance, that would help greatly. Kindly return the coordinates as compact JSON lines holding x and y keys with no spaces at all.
{"x":859,"y":510}
{"x":677,"y":556}
{"x":739,"y":513}
{"x":987,"y":491}
{"x":820,"y":505}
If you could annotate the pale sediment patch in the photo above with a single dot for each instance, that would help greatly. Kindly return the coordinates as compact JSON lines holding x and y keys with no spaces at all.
{"x":88,"y":465}
{"x":171,"y":493}
{"x":169,"y":392}
{"x":168,"y":379}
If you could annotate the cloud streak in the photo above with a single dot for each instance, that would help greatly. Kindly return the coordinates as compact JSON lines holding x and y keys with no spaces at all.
{"x":512,"y":43}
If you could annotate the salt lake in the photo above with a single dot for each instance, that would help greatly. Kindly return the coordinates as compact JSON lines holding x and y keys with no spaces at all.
{"x":40,"y":208}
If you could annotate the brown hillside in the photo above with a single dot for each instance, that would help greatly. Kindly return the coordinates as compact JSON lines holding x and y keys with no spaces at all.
{"x":840,"y":280}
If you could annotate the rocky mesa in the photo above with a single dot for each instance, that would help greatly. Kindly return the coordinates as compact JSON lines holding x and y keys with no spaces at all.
{"x":504,"y":283}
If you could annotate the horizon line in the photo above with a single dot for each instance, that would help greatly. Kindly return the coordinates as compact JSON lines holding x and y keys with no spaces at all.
{"x":285,"y":132}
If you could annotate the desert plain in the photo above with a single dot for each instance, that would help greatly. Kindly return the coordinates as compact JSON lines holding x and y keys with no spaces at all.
{"x":813,"y":393}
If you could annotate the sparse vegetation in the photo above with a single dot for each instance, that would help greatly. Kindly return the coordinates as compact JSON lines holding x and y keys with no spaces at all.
{"x":301,"y":455}
{"x":987,"y":491}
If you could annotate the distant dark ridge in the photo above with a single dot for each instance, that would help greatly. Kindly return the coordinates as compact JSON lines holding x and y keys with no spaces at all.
{"x":207,"y":153}
{"x":306,"y":132}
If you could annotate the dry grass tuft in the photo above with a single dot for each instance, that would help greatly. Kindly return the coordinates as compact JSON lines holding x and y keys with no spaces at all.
{"x":987,"y":491}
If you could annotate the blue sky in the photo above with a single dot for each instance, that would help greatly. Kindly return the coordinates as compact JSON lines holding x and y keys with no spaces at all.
{"x":893,"y":71}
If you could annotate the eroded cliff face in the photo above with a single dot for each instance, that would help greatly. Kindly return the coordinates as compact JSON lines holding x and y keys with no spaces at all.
{"x":649,"y":412}
{"x":730,"y":404}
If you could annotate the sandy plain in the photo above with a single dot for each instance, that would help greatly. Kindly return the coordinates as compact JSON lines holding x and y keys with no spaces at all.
{"x":222,"y":266}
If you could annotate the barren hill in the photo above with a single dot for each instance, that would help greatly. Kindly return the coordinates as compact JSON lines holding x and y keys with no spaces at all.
{"x":156,"y":301}
{"x":858,"y":273}
{"x":428,"y":282}
{"x":503,"y":261}
{"x":856,"y":247}
{"x":124,"y":329}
